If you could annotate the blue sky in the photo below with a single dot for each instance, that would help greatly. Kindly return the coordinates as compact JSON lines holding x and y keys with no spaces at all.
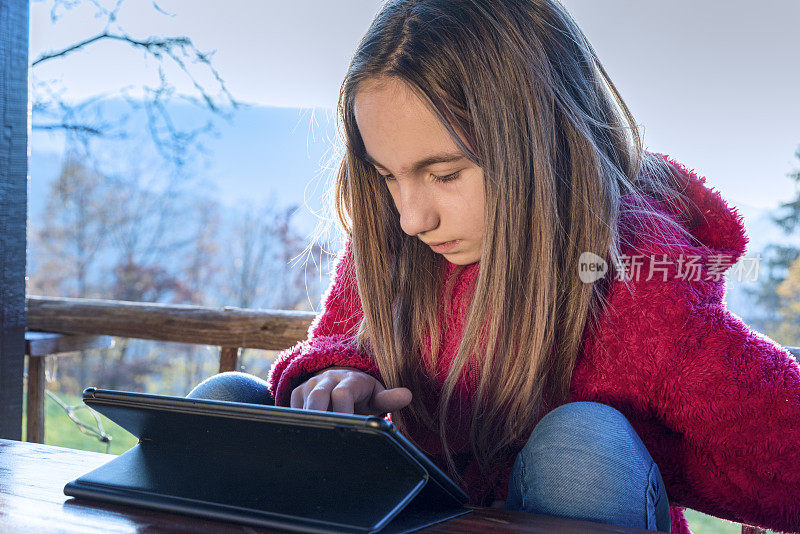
{"x":714,"y":84}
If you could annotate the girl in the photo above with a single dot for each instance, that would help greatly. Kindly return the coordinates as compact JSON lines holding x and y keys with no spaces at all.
{"x":533,"y":298}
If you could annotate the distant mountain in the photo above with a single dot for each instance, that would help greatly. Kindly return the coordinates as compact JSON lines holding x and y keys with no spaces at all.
{"x":263,"y":152}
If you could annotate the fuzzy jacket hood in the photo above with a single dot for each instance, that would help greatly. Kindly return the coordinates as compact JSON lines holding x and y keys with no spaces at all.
{"x":717,"y":227}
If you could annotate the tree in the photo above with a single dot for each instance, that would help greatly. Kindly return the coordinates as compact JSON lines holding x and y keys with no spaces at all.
{"x":73,"y":231}
{"x":774,"y":291}
{"x":788,"y":330}
{"x":150,"y":229}
{"x":200,"y":263}
{"x":258,"y":272}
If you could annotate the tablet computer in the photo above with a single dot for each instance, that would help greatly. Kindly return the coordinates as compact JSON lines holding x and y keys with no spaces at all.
{"x":300,"y":470}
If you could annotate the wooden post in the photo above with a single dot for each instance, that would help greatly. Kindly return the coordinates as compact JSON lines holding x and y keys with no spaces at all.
{"x":35,"y":408}
{"x":228,"y":359}
{"x":13,"y":210}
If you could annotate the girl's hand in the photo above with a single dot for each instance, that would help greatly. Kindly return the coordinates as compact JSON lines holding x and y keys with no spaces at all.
{"x":348,"y":390}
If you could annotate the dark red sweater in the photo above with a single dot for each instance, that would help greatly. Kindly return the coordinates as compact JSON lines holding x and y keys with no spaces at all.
{"x":716,"y":404}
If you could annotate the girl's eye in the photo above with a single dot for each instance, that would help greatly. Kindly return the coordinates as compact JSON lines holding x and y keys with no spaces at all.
{"x":448,"y":178}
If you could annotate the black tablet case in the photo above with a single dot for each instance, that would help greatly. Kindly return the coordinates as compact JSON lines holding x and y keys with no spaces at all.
{"x":268,"y":466}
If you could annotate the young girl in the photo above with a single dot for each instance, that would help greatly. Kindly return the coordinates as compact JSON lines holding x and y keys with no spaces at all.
{"x":534,"y":299}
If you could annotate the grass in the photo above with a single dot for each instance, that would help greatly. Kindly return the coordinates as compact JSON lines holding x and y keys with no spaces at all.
{"x":701,"y":523}
{"x":62,"y":432}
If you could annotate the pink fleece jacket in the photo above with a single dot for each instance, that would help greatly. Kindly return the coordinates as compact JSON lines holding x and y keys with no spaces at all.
{"x":716,"y":404}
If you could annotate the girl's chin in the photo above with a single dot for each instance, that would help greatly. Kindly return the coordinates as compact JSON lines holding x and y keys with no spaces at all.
{"x":461,"y":258}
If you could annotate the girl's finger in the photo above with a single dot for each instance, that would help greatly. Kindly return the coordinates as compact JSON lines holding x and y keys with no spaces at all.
{"x":298,"y":398}
{"x":319,"y":397}
{"x":354,"y":391}
{"x":342,"y":397}
{"x":391,"y":399}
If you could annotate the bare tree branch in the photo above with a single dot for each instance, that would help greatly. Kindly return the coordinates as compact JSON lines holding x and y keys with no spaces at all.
{"x":68,"y":50}
{"x":173,"y":47}
{"x":82,"y":128}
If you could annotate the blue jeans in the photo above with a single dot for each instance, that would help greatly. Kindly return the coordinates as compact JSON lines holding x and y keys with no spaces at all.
{"x":584,"y":461}
{"x":233,"y":386}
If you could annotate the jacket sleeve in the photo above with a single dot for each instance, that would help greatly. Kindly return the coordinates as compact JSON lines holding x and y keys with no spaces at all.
{"x":731,"y":398}
{"x":330,"y":340}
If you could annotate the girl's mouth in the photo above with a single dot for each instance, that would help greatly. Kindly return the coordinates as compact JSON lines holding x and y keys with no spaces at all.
{"x":445,"y":247}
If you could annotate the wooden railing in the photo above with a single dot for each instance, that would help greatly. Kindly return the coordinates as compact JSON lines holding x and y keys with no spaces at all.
{"x":223,"y":327}
{"x":231,"y":329}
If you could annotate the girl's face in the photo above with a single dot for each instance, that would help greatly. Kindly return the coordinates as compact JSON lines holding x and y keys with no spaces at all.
{"x":437,"y":190}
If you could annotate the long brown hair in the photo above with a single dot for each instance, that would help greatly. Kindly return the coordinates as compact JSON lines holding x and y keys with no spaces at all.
{"x":523,"y":95}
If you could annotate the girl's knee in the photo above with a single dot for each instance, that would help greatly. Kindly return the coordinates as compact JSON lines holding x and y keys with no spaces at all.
{"x":233,"y":386}
{"x":586,"y":443}
{"x":583,"y":411}
{"x":586,"y":423}
{"x":581,"y":457}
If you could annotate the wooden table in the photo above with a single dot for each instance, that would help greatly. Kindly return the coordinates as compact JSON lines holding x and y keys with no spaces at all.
{"x":32,"y":478}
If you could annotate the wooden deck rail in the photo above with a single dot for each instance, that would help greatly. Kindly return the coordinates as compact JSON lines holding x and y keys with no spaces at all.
{"x":223,"y":327}
{"x":229,"y":328}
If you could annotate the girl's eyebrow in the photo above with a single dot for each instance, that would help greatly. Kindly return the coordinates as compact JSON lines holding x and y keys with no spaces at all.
{"x":444,"y":157}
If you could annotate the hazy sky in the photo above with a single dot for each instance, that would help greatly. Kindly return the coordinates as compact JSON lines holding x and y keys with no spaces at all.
{"x":713,"y":83}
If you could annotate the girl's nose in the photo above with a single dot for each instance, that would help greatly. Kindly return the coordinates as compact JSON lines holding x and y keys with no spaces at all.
{"x":418,"y":211}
